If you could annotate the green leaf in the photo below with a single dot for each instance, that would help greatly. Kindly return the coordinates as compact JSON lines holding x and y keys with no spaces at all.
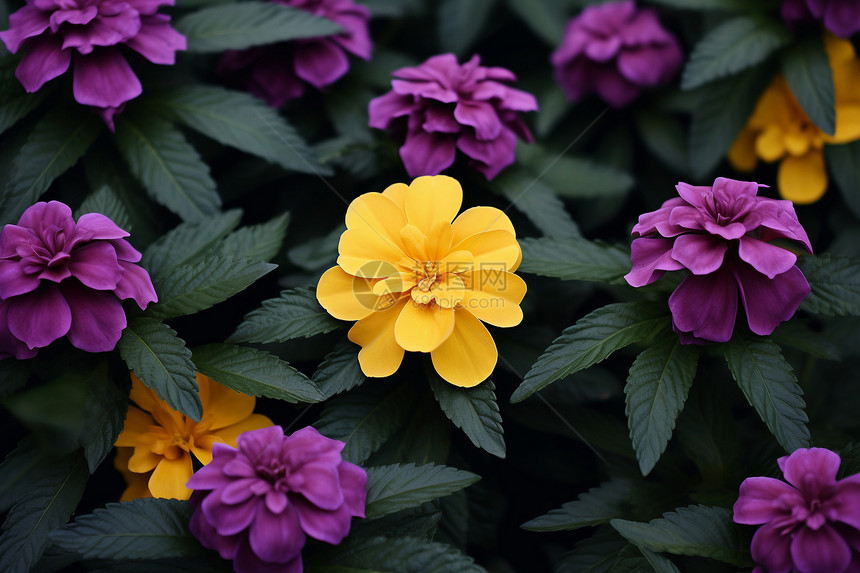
{"x":139,"y":529}
{"x":106,"y":202}
{"x":295,"y":314}
{"x":844,"y":162}
{"x":339,"y":371}
{"x":395,"y":487}
{"x":16,"y":470}
{"x":260,"y":242}
{"x":17,"y":103}
{"x":574,"y":259}
{"x":592,"y":339}
{"x":105,"y":411}
{"x":168,"y":166}
{"x":770,"y":387}
{"x":473,"y":410}
{"x":797,"y":334}
{"x":722,"y":111}
{"x":53,"y":490}
{"x":245,"y":24}
{"x":734,"y":45}
{"x":401,"y":555}
{"x":695,"y":530}
{"x":195,"y":287}
{"x":575,"y":177}
{"x":597,"y":506}
{"x":659,"y":563}
{"x":666,"y":138}
{"x":544,"y":17}
{"x":188,"y":242}
{"x":835,"y":283}
{"x":240,"y":120}
{"x":458,"y":24}
{"x":538,"y":203}
{"x":254,"y":372}
{"x":604,"y":552}
{"x":807,"y":69}
{"x":553,"y":106}
{"x":54,"y":144}
{"x":162,"y":362}
{"x":656,"y":390}
{"x":365,"y":418}
{"x":318,"y":252}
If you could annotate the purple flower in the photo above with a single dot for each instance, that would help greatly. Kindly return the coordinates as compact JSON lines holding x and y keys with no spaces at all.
{"x":268,"y":494}
{"x":443,"y":106}
{"x":87,"y":35}
{"x":722,"y":235}
{"x":810,"y":524}
{"x":842,"y":17}
{"x":277,"y":73}
{"x":59,"y":278}
{"x":617,"y":51}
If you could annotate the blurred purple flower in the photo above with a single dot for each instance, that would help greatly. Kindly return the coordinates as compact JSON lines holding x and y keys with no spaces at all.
{"x":58,"y":278}
{"x":87,"y":35}
{"x":810,"y":524}
{"x":617,"y":51}
{"x":722,"y":235}
{"x":277,"y":72}
{"x":443,"y":106}
{"x":268,"y":494}
{"x":842,"y":17}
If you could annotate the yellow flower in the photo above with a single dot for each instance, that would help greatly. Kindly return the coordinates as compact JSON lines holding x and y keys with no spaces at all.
{"x":780,"y":129}
{"x":157,"y":441}
{"x":417,"y":279}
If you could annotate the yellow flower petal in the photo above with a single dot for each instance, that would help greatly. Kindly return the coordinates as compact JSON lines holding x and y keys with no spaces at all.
{"x":431,"y":199}
{"x":447,"y":292}
{"x":479,"y":220}
{"x":380,"y":354}
{"x":797,"y":143}
{"x":769,"y":144}
{"x":847,"y":123}
{"x":439,"y":241}
{"x":495,"y":298}
{"x":229,"y":434}
{"x":170,"y":476}
{"x":366,"y":253}
{"x":394,"y":285}
{"x":469,"y":355}
{"x":414,"y":243}
{"x":422,"y":328}
{"x":742,"y":153}
{"x":143,"y":396}
{"x":345,"y":296}
{"x":137,"y":484}
{"x":137,"y":422}
{"x":497,"y":250}
{"x":143,"y":460}
{"x":802,"y":179}
{"x":397,"y":193}
{"x":222,"y":406}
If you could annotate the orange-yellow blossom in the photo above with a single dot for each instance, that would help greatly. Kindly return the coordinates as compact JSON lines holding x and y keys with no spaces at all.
{"x":779,"y":129}
{"x":418,"y":279}
{"x":157,"y":442}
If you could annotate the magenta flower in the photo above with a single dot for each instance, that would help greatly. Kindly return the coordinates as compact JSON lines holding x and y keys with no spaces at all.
{"x":61,"y":278}
{"x":722,"y":235}
{"x":268,"y":494}
{"x":278,"y":72}
{"x":810,"y":524}
{"x":842,"y":17}
{"x":87,"y":35}
{"x":443,"y":106}
{"x":617,"y":51}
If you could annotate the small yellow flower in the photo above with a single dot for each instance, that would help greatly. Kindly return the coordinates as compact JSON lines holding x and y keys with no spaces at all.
{"x":779,"y":129}
{"x":157,"y":441}
{"x":417,"y":279}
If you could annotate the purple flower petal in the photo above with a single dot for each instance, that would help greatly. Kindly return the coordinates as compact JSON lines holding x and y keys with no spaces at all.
{"x":769,"y":302}
{"x":603,"y":49}
{"x":357,"y":39}
{"x":319,"y":482}
{"x":763,"y":499}
{"x":353,"y":482}
{"x":847,"y":508}
{"x":109,"y":29}
{"x":842,"y":17}
{"x":104,"y":79}
{"x":811,"y":469}
{"x":229,"y":519}
{"x":135,"y":284}
{"x":237,"y":491}
{"x":157,"y":41}
{"x":255,"y":442}
{"x":820,"y":551}
{"x":480,"y":115}
{"x":308,"y":445}
{"x":14,"y":281}
{"x":428,"y":153}
{"x":614,"y":88}
{"x":95,"y":265}
{"x":9,"y":345}
{"x":39,"y":317}
{"x":766,"y":258}
{"x":45,"y":60}
{"x":276,"y":537}
{"x":772,"y":549}
{"x":97,"y":318}
{"x":225,"y":545}
{"x":97,"y":226}
{"x":328,"y":526}
{"x":706,"y":305}
{"x":490,"y":156}
{"x":651,"y":258}
{"x":320,"y":62}
{"x":383,"y":109}
{"x":246,"y":561}
{"x":26,"y":22}
{"x":702,"y":254}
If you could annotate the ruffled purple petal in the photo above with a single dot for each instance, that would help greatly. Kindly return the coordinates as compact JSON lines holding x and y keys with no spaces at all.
{"x":14,"y":281}
{"x":320,"y":62}
{"x":428,"y":153}
{"x":276,"y":537}
{"x":45,"y":60}
{"x":225,"y":545}
{"x":772,"y":549}
{"x":157,"y":41}
{"x":11,"y":347}
{"x":763,"y":499}
{"x":106,"y":30}
{"x":386,"y":107}
{"x":847,"y":506}
{"x":811,"y":469}
{"x":769,"y":302}
{"x":135,"y":284}
{"x":765,"y":258}
{"x":104,"y":79}
{"x":490,"y":156}
{"x":97,"y":318}
{"x":481,"y":116}
{"x":328,"y":526}
{"x":357,"y":39}
{"x":254,"y":443}
{"x":95,"y":265}
{"x":39,"y":317}
{"x":842,"y":17}
{"x":319,"y":483}
{"x":820,"y":551}
{"x":706,"y":305}
{"x":614,"y":88}
{"x":702,"y":254}
{"x":26,"y":22}
{"x":229,"y":519}
{"x":651,"y":258}
{"x":246,"y":561}
{"x":353,"y":482}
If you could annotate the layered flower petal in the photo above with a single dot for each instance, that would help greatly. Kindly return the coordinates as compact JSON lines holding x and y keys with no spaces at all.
{"x":468,"y":355}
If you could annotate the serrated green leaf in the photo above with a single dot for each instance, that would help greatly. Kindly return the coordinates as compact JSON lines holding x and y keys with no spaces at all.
{"x":17,"y":103}
{"x":770,"y":386}
{"x":844,"y":162}
{"x":695,"y":530}
{"x":659,"y":563}
{"x":162,"y":362}
{"x":54,"y":488}
{"x":722,"y":111}
{"x":575,"y":177}
{"x":807,"y":69}
{"x":295,"y":314}
{"x":55,"y":143}
{"x":261,"y":242}
{"x":339,"y":371}
{"x":188,"y":242}
{"x":656,"y":390}
{"x":732,"y":46}
{"x":138,"y":529}
{"x":240,"y":120}
{"x":797,"y":334}
{"x":168,"y":166}
{"x":365,"y":418}
{"x":401,"y":555}
{"x":15,"y":472}
{"x":574,"y":259}
{"x":666,"y":138}
{"x":105,"y":201}
{"x":459,"y":24}
{"x":538,"y":203}
{"x":318,"y":252}
{"x":395,"y":487}
{"x":604,"y":552}
{"x":195,"y":287}
{"x":544,"y":17}
{"x":425,"y":438}
{"x":105,"y":411}
{"x":598,"y":505}
{"x":473,"y":410}
{"x":242,"y":25}
{"x":254,"y":372}
{"x":835,"y":283}
{"x":592,"y":339}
